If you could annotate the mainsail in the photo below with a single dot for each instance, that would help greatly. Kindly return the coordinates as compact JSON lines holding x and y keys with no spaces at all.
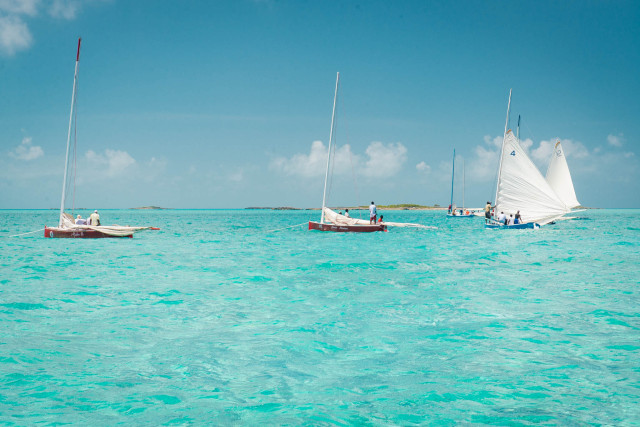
{"x":521,"y":187}
{"x":559,"y":177}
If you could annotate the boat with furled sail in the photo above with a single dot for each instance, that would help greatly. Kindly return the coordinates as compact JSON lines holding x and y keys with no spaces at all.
{"x":67,"y":228}
{"x":521,"y":188}
{"x":330,"y":220}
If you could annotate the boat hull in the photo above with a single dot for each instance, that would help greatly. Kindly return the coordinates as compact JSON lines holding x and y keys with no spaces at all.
{"x":528,"y":225}
{"x":347,"y":228}
{"x":77,"y":234}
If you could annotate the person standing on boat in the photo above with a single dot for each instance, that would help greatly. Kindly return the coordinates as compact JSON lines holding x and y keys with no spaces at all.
{"x":346,"y":213}
{"x":518,"y":218}
{"x":373,"y":213}
{"x":510,"y":220}
{"x":94,"y":219}
{"x":487,"y":211}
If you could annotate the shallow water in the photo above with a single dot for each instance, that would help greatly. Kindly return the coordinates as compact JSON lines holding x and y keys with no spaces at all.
{"x":217,"y":318}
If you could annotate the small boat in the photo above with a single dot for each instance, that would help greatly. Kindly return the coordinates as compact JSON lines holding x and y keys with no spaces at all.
{"x":453,"y":211}
{"x":343,"y":224}
{"x":522,"y":188}
{"x":67,"y":228}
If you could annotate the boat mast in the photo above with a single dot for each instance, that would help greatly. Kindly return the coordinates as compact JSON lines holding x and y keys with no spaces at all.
{"x":453,"y":171}
{"x":506,"y":123}
{"x":66,"y":160}
{"x":463,"y":182}
{"x":326,"y":175}
{"x":518,"y":129}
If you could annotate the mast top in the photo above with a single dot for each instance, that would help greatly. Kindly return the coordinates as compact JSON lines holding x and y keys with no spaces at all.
{"x":78,"y":54}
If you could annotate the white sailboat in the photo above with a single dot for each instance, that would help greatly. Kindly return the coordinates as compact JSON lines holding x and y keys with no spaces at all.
{"x":522,"y":188}
{"x":66,"y":226}
{"x":453,"y":211}
{"x":559,"y":177}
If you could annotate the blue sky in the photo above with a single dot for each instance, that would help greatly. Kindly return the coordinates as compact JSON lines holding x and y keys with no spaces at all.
{"x":227,"y":104}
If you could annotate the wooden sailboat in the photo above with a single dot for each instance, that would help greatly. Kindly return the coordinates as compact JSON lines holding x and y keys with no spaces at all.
{"x":454,"y":212}
{"x":66,"y":226}
{"x":330,"y":220}
{"x":522,"y":188}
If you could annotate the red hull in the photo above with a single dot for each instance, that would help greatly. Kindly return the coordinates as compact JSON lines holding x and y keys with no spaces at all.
{"x":347,"y":228}
{"x":74,"y":234}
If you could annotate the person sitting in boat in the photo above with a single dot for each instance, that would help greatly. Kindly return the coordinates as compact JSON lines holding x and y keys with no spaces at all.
{"x":373,"y":213}
{"x":80,"y":220}
{"x":460,"y":211}
{"x":380,"y":220}
{"x":466,"y":212}
{"x":502,"y":219}
{"x":449,"y":210}
{"x":346,"y":213}
{"x":94,"y":219}
{"x":518,"y":218}
{"x":510,"y":220}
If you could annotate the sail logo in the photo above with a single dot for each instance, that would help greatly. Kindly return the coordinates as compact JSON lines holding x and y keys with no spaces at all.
{"x":513,"y":153}
{"x":558,"y":153}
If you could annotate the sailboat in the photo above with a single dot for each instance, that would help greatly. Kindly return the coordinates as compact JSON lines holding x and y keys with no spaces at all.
{"x":559,"y":177}
{"x":335,"y":221}
{"x":522,"y":188}
{"x":453,"y":211}
{"x":66,"y":226}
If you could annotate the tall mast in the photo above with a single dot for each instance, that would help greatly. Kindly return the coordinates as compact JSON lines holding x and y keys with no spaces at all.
{"x":506,"y":123}
{"x":463,"y":182}
{"x":518,"y":129}
{"x":326,"y":174}
{"x":66,"y":160}
{"x":453,"y":171}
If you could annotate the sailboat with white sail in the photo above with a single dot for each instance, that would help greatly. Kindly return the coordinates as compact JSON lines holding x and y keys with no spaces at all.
{"x":453,"y":211}
{"x":67,"y":228}
{"x":559,"y":177}
{"x":522,"y":189}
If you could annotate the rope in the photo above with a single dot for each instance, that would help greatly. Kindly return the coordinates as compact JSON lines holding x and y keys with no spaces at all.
{"x":285,"y":228}
{"x":30,"y":232}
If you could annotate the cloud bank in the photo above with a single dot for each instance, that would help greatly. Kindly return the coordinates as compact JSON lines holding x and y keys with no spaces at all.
{"x":25,"y":151}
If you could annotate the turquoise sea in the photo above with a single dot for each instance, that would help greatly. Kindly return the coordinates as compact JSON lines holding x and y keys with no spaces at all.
{"x":217,"y":319}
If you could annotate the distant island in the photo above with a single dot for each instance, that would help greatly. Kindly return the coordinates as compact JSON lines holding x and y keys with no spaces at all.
{"x":402,"y":206}
{"x":150,"y":207}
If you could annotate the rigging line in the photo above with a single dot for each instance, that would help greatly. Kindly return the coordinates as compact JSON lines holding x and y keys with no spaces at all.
{"x":285,"y":228}
{"x":332,"y":155}
{"x":30,"y":232}
{"x":75,"y":150}
{"x":353,"y":172}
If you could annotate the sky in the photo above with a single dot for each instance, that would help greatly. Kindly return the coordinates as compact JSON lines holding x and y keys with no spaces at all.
{"x":227,"y":104}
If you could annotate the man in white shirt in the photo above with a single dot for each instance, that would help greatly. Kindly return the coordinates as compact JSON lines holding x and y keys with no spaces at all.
{"x":373,"y":214}
{"x":346,"y":213}
{"x":501,"y":218}
{"x":81,"y":221}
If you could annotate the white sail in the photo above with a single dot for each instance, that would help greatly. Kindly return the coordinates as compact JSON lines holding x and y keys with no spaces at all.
{"x":521,"y":187}
{"x":559,"y":177}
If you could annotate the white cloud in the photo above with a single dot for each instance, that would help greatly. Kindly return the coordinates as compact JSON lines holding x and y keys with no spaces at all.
{"x":423,"y":167}
{"x":26,"y":7}
{"x":66,"y":9}
{"x":571,"y":148}
{"x":616,"y":140}
{"x":495,"y":142}
{"x":111,"y":163}
{"x":380,"y":161}
{"x":14,"y":35}
{"x":314,"y":163}
{"x":26,"y":151}
{"x":14,"y":29}
{"x":629,"y":154}
{"x":384,"y":161}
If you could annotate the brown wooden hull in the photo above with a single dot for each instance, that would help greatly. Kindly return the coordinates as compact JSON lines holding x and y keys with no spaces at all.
{"x":347,"y":228}
{"x":75,"y":234}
